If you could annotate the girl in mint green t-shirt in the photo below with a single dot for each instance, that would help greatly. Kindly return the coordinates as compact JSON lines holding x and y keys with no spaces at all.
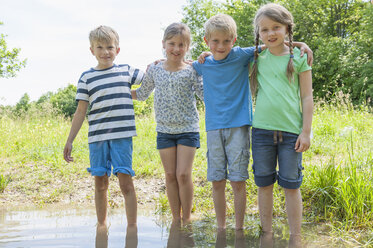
{"x":281,"y":81}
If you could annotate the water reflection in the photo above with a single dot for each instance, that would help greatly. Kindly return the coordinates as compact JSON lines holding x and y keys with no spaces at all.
{"x":266,"y":240}
{"x":102,"y":237}
{"x":77,"y":228}
{"x":180,"y":236}
{"x":239,"y":239}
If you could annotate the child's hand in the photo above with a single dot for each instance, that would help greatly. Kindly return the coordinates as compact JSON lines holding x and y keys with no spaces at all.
{"x":201,"y":58}
{"x":67,"y":152}
{"x":188,"y":61}
{"x":305,"y":49}
{"x":303,"y":142}
{"x":155,"y":62}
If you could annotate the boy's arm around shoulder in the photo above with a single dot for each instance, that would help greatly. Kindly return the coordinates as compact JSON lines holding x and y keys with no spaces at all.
{"x":76,"y":124}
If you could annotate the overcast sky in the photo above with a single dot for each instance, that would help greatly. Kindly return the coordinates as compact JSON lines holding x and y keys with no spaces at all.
{"x":53,"y":36}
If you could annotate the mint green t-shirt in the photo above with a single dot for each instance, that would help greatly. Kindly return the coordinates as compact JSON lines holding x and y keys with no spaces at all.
{"x":278,"y":103}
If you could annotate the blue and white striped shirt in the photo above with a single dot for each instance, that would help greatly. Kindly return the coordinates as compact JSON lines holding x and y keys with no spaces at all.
{"x":108,"y":92}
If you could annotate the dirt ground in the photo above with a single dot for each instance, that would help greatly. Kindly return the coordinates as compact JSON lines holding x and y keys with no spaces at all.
{"x":80,"y":194}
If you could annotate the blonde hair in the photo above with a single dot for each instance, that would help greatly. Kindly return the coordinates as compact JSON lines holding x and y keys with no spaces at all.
{"x":223,"y":23}
{"x":104,"y":34}
{"x":281,"y":15}
{"x":177,"y":29}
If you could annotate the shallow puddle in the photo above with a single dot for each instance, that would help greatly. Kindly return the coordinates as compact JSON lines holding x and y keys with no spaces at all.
{"x":77,"y":228}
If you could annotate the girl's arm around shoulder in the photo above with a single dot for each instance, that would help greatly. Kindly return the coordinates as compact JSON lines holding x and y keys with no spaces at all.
{"x":197,"y":84}
{"x":305,"y":84}
{"x":147,"y":85}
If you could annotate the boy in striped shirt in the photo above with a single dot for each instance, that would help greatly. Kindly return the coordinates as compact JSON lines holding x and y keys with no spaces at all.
{"x":106,"y":89}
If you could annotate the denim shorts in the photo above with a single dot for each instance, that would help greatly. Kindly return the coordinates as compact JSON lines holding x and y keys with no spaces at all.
{"x":105,"y":154}
{"x":276,"y":147}
{"x":228,"y":154}
{"x":166,"y":140}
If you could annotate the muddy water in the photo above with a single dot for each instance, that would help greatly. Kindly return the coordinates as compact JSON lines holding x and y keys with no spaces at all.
{"x":76,"y":228}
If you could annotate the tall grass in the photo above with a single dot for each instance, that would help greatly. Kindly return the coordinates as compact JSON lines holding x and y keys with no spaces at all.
{"x":338,"y":175}
{"x":339,"y":167}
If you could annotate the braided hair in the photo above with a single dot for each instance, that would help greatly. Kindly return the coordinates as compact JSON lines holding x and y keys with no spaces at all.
{"x":254,"y":68}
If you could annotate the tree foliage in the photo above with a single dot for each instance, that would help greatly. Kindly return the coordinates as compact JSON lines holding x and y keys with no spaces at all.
{"x":9,"y":59}
{"x":64,"y":100}
{"x":340,"y":33}
{"x":23,"y":105}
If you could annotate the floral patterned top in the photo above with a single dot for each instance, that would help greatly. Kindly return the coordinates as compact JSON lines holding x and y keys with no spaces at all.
{"x":174,"y":98}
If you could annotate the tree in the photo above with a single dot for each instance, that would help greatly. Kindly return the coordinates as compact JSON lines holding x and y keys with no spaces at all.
{"x":23,"y":105}
{"x":64,"y":100}
{"x":340,"y":33}
{"x":196,"y":13}
{"x":9,"y":59}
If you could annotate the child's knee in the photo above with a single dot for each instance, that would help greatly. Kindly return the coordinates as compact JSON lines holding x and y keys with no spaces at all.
{"x":101,"y":183}
{"x":218,"y":185}
{"x":171,"y":177}
{"x":238,"y":186}
{"x":183,"y":178}
{"x":291,"y":191}
{"x":127,"y":187}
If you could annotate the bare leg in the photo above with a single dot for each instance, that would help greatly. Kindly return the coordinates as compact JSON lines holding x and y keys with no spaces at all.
{"x":218,"y":195}
{"x":239,"y":191}
{"x":128,"y":191}
{"x":294,"y":208}
{"x":185,"y":158}
{"x":168,"y":157}
{"x":101,"y":187}
{"x":265,"y":202}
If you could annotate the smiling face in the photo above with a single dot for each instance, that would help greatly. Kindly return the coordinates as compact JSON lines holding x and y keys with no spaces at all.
{"x":220,"y":44}
{"x":175,"y":47}
{"x":105,"y":53}
{"x":272,"y":33}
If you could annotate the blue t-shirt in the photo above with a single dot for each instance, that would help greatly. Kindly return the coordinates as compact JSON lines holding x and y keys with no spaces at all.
{"x":226,"y":89}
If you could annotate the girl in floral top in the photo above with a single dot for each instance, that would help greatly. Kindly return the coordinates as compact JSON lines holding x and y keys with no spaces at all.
{"x":175,"y":84}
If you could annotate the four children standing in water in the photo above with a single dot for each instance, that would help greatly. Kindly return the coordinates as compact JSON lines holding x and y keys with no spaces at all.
{"x":281,"y":129}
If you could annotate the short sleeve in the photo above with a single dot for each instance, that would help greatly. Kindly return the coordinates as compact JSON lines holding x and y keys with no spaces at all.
{"x":197,"y":67}
{"x":82,"y":90}
{"x":249,"y":51}
{"x":303,"y":65}
{"x":136,"y":75}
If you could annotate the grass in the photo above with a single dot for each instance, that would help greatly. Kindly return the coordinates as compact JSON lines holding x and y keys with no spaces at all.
{"x":338,"y":175}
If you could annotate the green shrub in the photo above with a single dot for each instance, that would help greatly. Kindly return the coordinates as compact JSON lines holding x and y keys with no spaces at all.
{"x":64,"y":100}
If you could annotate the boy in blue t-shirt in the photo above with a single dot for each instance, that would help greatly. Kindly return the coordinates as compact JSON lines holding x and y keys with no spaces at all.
{"x":228,"y":108}
{"x":106,"y":88}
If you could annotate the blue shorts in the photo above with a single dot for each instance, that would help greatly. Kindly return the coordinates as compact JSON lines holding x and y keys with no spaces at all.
{"x":228,"y":154}
{"x":116,"y":153}
{"x":165,"y":140}
{"x":271,"y":147}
